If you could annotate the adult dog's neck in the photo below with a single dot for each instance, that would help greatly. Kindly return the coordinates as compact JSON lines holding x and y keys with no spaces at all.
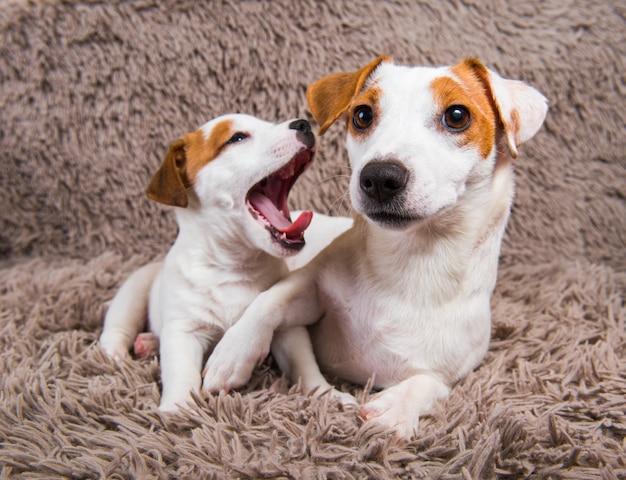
{"x":466,"y":237}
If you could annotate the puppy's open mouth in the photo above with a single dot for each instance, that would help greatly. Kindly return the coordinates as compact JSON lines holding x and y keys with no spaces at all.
{"x":267,"y":202}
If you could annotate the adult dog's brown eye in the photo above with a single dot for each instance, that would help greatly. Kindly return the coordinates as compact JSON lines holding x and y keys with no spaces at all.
{"x":456,"y":118}
{"x":362,"y":117}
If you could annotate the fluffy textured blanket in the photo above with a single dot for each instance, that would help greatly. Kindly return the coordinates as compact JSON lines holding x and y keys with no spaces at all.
{"x":91,"y":95}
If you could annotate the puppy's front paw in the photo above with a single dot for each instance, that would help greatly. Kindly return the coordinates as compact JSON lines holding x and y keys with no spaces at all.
{"x":169,"y":407}
{"x":174,"y":405}
{"x":232,"y":362}
{"x":115,"y":351}
{"x":345,"y":399}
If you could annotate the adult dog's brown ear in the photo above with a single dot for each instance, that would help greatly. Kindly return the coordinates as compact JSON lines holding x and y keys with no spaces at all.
{"x":168,"y":185}
{"x":330,"y":96}
{"x":520,"y":107}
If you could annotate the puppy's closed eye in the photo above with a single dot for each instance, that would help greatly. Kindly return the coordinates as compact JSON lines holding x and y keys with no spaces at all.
{"x":236,"y":138}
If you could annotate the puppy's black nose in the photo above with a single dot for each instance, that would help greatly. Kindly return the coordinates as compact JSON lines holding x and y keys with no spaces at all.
{"x":304,"y":133}
{"x":301,"y":125}
{"x":383,"y":181}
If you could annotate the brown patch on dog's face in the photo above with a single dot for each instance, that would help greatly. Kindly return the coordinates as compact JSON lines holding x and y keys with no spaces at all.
{"x":330,"y":96}
{"x":184,"y":160}
{"x":467,"y":91}
{"x":201,"y":150}
{"x":364,"y":113}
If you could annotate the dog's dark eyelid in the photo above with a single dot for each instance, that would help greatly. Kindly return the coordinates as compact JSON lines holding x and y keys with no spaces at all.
{"x":237,"y":137}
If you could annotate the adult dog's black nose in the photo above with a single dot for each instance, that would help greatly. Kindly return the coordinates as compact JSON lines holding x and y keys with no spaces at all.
{"x":304,"y":133}
{"x":383,"y":181}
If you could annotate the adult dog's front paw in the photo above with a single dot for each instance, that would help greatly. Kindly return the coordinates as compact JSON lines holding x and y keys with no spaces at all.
{"x":389,"y":411}
{"x":399,"y":407}
{"x":232,"y":362}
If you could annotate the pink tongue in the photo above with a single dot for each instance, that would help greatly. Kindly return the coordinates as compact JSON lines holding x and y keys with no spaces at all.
{"x":265,"y":206}
{"x":298,"y":227}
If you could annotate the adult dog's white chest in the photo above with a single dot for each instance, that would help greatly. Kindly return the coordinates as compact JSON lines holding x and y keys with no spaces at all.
{"x":434,"y":316}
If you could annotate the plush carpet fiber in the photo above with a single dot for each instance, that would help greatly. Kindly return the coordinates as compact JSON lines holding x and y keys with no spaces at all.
{"x":91,"y":95}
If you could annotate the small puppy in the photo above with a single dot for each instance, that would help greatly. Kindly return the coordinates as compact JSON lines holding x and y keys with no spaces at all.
{"x":403,"y":296}
{"x":229,"y":182}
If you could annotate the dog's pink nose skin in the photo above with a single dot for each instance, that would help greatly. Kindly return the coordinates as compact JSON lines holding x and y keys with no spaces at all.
{"x":304,"y":132}
{"x":383,"y":181}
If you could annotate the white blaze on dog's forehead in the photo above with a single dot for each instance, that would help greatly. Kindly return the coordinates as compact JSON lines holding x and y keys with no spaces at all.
{"x":397,"y":96}
{"x":405,"y":94}
{"x":205,"y":144}
{"x":240,"y":122}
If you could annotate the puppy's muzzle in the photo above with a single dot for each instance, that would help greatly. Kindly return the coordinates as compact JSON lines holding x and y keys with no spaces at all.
{"x":303,"y":132}
{"x":383,"y":182}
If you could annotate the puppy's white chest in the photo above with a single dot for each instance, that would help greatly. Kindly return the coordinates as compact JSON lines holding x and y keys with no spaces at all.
{"x":189,"y":290}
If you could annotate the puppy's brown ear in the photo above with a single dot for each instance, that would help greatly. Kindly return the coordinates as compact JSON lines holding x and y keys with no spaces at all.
{"x":330,"y":96}
{"x":521,"y":108}
{"x":167,"y":185}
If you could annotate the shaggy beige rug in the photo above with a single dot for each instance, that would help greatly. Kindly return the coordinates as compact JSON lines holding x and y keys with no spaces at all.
{"x":91,"y":95}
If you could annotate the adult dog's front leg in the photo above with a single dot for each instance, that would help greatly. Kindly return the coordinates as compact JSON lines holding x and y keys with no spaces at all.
{"x":242,"y":347}
{"x":400,"y":406}
{"x":293,"y":352}
{"x":291,"y":301}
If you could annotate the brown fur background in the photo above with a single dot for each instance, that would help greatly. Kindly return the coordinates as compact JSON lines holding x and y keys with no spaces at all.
{"x":92,"y":93}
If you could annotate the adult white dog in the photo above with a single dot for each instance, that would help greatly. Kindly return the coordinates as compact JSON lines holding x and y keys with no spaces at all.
{"x":404,"y":295}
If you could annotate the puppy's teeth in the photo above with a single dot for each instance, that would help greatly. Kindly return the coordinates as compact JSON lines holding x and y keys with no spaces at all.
{"x":287,"y":171}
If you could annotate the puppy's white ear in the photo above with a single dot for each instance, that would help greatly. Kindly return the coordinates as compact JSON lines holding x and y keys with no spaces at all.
{"x":330,"y":96}
{"x":168,"y":185}
{"x":522,"y":108}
